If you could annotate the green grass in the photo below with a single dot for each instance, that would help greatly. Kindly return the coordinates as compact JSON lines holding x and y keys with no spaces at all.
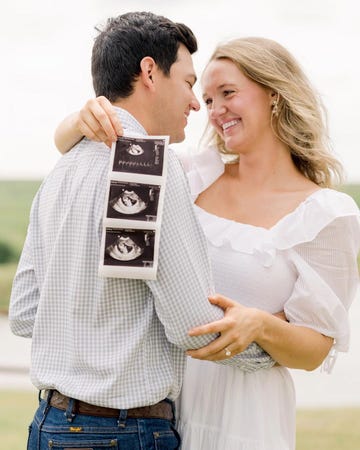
{"x":329,"y":429}
{"x":15,"y":202}
{"x":16,"y":413}
{"x":354,"y":191}
{"x":7,"y":272}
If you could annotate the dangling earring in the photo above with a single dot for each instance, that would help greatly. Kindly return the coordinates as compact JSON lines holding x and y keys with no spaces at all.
{"x":275,"y":108}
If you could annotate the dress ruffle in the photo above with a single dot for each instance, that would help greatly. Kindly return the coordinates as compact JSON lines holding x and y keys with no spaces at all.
{"x":302,"y":225}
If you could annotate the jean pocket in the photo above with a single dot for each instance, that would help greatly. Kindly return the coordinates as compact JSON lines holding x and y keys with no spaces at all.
{"x":166,"y":440}
{"x":86,"y":444}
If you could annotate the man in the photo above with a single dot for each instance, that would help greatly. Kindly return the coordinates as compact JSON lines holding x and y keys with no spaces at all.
{"x":109,"y":353}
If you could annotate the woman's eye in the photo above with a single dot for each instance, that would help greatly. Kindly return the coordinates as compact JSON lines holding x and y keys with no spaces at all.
{"x":208,"y":101}
{"x":228,"y":92}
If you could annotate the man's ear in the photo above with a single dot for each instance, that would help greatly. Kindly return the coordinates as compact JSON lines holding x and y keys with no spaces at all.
{"x":149,"y":70}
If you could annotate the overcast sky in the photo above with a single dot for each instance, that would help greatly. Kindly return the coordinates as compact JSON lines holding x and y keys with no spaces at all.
{"x":45,"y":50}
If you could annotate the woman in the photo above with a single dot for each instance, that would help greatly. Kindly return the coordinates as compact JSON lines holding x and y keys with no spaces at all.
{"x":279,"y":239}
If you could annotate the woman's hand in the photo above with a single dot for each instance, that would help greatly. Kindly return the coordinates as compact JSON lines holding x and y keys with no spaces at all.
{"x":238,"y":328}
{"x":98,"y":121}
{"x":291,"y":345}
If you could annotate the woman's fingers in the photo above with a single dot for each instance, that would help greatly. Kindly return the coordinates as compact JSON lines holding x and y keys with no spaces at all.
{"x":113,"y":117}
{"x":238,"y":328}
{"x":222,"y":301}
{"x":212,"y":327}
{"x":207,"y":352}
{"x":96,"y":121}
{"x":220,"y":325}
{"x":219,"y":349}
{"x":89,"y":126}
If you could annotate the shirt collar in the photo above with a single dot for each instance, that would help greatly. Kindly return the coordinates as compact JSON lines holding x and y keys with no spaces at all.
{"x":129,"y":123}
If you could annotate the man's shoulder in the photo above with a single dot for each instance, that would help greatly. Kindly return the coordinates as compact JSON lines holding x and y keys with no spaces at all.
{"x":84,"y":165}
{"x":86,"y":147}
{"x":86,"y":156}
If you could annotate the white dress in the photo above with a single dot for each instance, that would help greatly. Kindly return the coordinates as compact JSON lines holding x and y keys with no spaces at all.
{"x":304,"y":265}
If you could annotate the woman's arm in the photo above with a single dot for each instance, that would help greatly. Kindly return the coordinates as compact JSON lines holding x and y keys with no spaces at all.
{"x":97,"y":121}
{"x":67,"y":133}
{"x":290,"y":345}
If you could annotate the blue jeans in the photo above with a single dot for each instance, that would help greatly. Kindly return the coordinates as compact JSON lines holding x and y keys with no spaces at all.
{"x":55,"y":429}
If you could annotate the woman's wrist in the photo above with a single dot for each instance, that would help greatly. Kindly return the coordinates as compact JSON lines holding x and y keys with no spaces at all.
{"x":68,"y":133}
{"x":265,"y":326}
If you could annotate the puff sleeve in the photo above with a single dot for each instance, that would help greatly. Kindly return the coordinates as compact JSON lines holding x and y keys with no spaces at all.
{"x":201,"y":169}
{"x":327,"y":270}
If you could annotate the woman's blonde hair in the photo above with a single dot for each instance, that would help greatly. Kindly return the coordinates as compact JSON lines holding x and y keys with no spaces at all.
{"x":300,"y":121}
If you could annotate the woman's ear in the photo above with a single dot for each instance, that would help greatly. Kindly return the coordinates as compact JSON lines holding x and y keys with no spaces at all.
{"x":148,"y":71}
{"x":274,"y":96}
{"x":274,"y":103}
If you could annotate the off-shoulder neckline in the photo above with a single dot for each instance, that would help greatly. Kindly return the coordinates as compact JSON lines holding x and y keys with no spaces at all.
{"x":294,"y":212}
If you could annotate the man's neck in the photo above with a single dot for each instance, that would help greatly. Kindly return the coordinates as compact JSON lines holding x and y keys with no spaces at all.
{"x":138,"y":110}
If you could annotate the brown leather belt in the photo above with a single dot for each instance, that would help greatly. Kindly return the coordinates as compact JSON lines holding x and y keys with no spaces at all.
{"x":161,"y":410}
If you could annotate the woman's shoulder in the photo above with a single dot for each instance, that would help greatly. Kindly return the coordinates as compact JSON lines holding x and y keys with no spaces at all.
{"x":330,"y":204}
{"x":323,"y":209}
{"x":202,"y":168}
{"x":339,"y":200}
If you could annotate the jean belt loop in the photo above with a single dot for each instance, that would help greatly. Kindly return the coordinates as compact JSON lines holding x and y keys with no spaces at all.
{"x":122,"y":418}
{"x":49,"y":395}
{"x":69,"y":410}
{"x":45,"y":411}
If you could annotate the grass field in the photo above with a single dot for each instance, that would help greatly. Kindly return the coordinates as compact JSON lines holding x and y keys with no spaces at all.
{"x":329,"y":429}
{"x":16,"y":412}
{"x":15,"y":202}
{"x":354,"y":191}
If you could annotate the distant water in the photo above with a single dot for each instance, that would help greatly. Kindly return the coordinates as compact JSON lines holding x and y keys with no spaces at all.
{"x":314,"y":389}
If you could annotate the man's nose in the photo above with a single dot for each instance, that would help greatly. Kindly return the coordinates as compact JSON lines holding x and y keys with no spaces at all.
{"x":194,"y":105}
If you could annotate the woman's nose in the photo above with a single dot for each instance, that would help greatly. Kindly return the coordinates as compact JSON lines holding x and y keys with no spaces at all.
{"x":216,"y":110}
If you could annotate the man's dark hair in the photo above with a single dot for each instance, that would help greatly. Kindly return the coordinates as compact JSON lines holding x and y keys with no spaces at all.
{"x":125,"y":41}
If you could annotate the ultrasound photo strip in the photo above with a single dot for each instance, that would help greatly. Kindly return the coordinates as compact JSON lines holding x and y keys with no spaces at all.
{"x":133,"y":208}
{"x":139,"y":155}
{"x":129,"y":253}
{"x":133,"y":201}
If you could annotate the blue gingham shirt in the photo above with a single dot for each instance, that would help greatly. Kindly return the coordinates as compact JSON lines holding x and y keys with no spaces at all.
{"x":111,"y":342}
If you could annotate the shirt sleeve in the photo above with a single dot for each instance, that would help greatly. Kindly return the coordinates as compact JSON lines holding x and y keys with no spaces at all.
{"x":25,"y":292}
{"x":327,"y":281}
{"x":184,"y":277}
